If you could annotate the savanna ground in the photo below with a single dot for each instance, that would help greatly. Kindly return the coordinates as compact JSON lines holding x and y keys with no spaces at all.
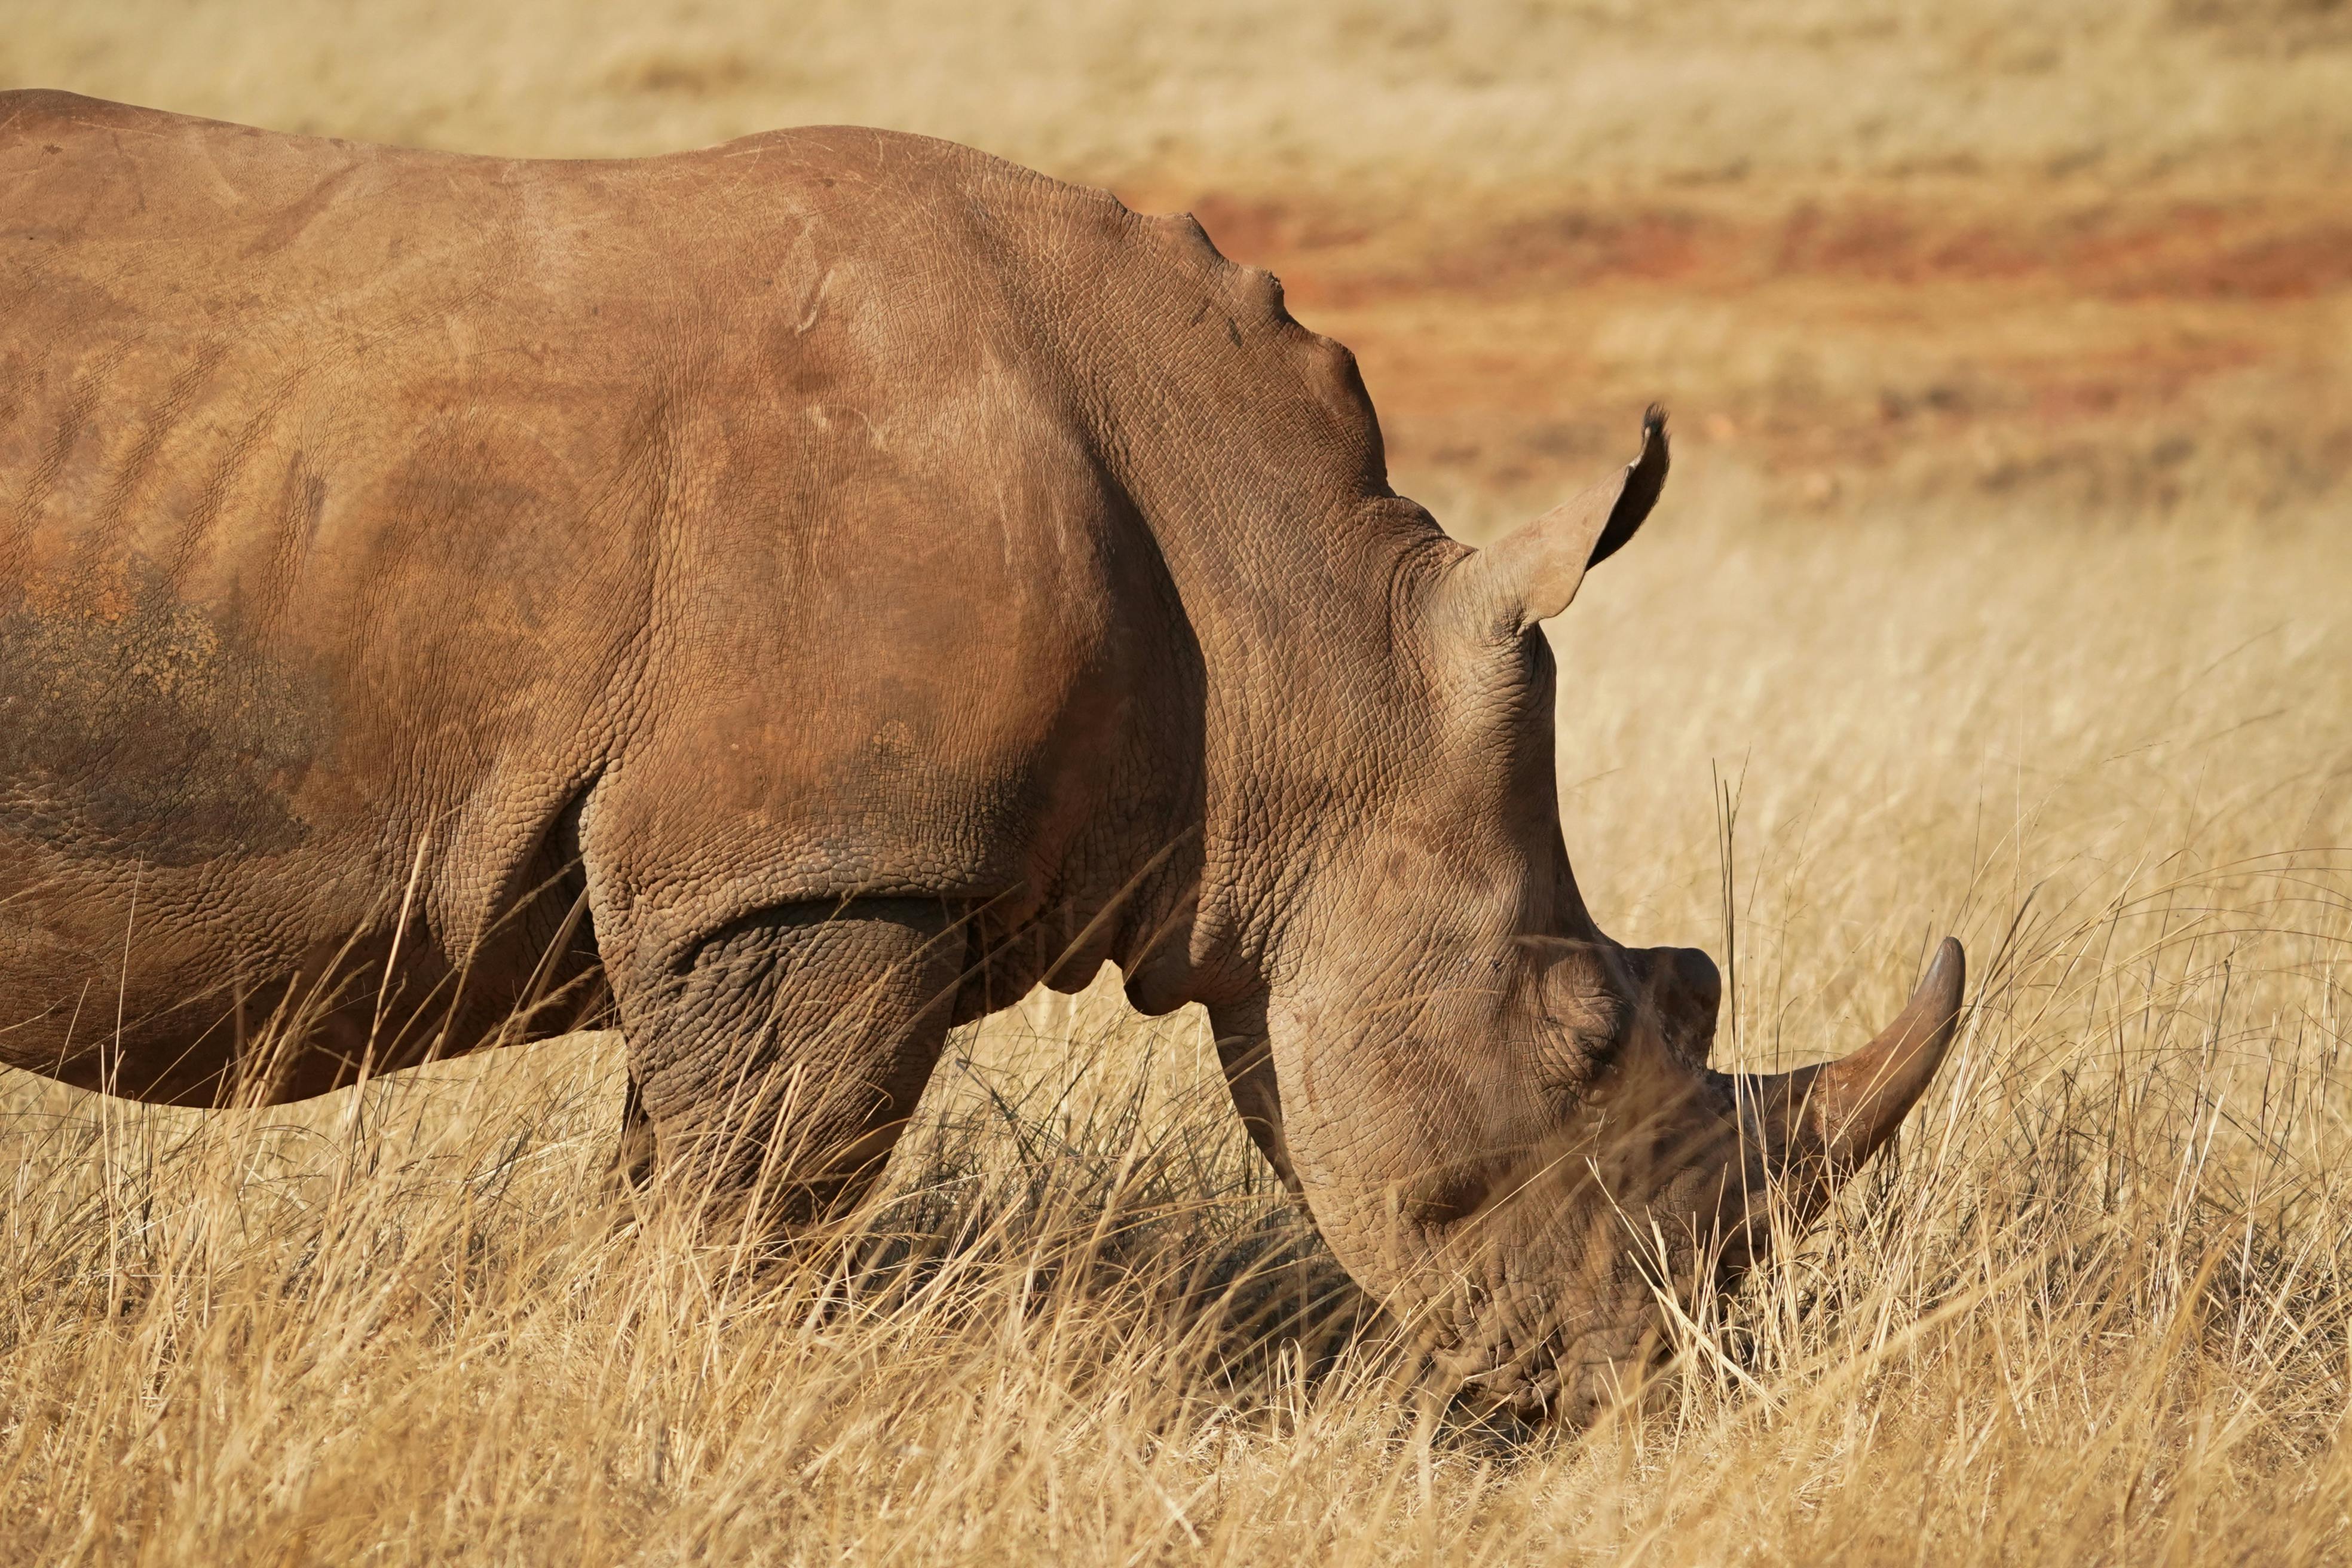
{"x":2004,"y":586}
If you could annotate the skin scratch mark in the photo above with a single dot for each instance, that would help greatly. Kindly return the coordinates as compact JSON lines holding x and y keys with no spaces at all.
{"x":197,"y":530}
{"x":81,"y":406}
{"x":222,"y":185}
{"x":121,"y":130}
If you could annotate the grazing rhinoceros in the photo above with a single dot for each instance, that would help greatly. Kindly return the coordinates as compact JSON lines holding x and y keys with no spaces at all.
{"x":826,"y":585}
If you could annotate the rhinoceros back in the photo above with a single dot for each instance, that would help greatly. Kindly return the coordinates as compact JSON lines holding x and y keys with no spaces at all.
{"x":385,"y":530}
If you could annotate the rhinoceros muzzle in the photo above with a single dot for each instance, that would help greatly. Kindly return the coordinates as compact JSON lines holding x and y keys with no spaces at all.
{"x":1675,"y":1174}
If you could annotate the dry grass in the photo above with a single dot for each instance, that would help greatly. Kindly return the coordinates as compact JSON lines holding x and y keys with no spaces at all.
{"x":1420,"y":97}
{"x":2097,"y":1308}
{"x":2003,"y":576}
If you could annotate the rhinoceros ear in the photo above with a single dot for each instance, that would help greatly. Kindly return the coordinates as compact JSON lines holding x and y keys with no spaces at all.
{"x":1533,"y":574}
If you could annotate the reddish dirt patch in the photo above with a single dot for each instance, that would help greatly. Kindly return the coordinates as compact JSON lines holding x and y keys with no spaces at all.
{"x":1967,"y":336}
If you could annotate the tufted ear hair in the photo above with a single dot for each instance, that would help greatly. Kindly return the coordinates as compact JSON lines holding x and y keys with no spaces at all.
{"x":1533,"y":574}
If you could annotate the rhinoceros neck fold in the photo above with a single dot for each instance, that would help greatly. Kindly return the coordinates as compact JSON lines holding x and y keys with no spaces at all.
{"x":1253,"y":459}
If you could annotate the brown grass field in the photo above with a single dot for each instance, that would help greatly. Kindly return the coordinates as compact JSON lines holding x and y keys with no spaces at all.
{"x":2004,"y":587}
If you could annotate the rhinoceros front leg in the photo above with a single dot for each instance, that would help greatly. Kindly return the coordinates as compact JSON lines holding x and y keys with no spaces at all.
{"x":775,"y":1073}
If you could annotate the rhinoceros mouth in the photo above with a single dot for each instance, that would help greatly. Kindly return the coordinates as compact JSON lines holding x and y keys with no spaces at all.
{"x":1546,"y":1377}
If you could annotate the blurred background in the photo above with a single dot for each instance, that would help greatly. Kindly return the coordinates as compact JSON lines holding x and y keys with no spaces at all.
{"x":2093,"y":260}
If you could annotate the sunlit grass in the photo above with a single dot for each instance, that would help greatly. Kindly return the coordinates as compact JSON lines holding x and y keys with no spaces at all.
{"x":2092,"y":1307}
{"x":1399,"y":102}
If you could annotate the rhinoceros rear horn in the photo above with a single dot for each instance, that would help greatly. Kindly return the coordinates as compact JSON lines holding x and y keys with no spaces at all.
{"x":1831,"y":1118}
{"x":1533,"y":574}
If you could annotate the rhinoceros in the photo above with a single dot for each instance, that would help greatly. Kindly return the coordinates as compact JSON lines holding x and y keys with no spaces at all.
{"x":802,"y":594}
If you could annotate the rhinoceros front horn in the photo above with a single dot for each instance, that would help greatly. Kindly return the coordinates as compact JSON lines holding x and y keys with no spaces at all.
{"x":1830,"y":1117}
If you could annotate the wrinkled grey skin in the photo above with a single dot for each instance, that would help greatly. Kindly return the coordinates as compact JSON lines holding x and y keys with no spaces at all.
{"x":817,"y":588}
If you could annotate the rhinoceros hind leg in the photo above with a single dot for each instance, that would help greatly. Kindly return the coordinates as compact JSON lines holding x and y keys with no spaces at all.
{"x":774,"y":1075}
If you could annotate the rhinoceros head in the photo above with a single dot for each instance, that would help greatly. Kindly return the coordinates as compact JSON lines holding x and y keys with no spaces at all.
{"x":1502,"y":1121}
